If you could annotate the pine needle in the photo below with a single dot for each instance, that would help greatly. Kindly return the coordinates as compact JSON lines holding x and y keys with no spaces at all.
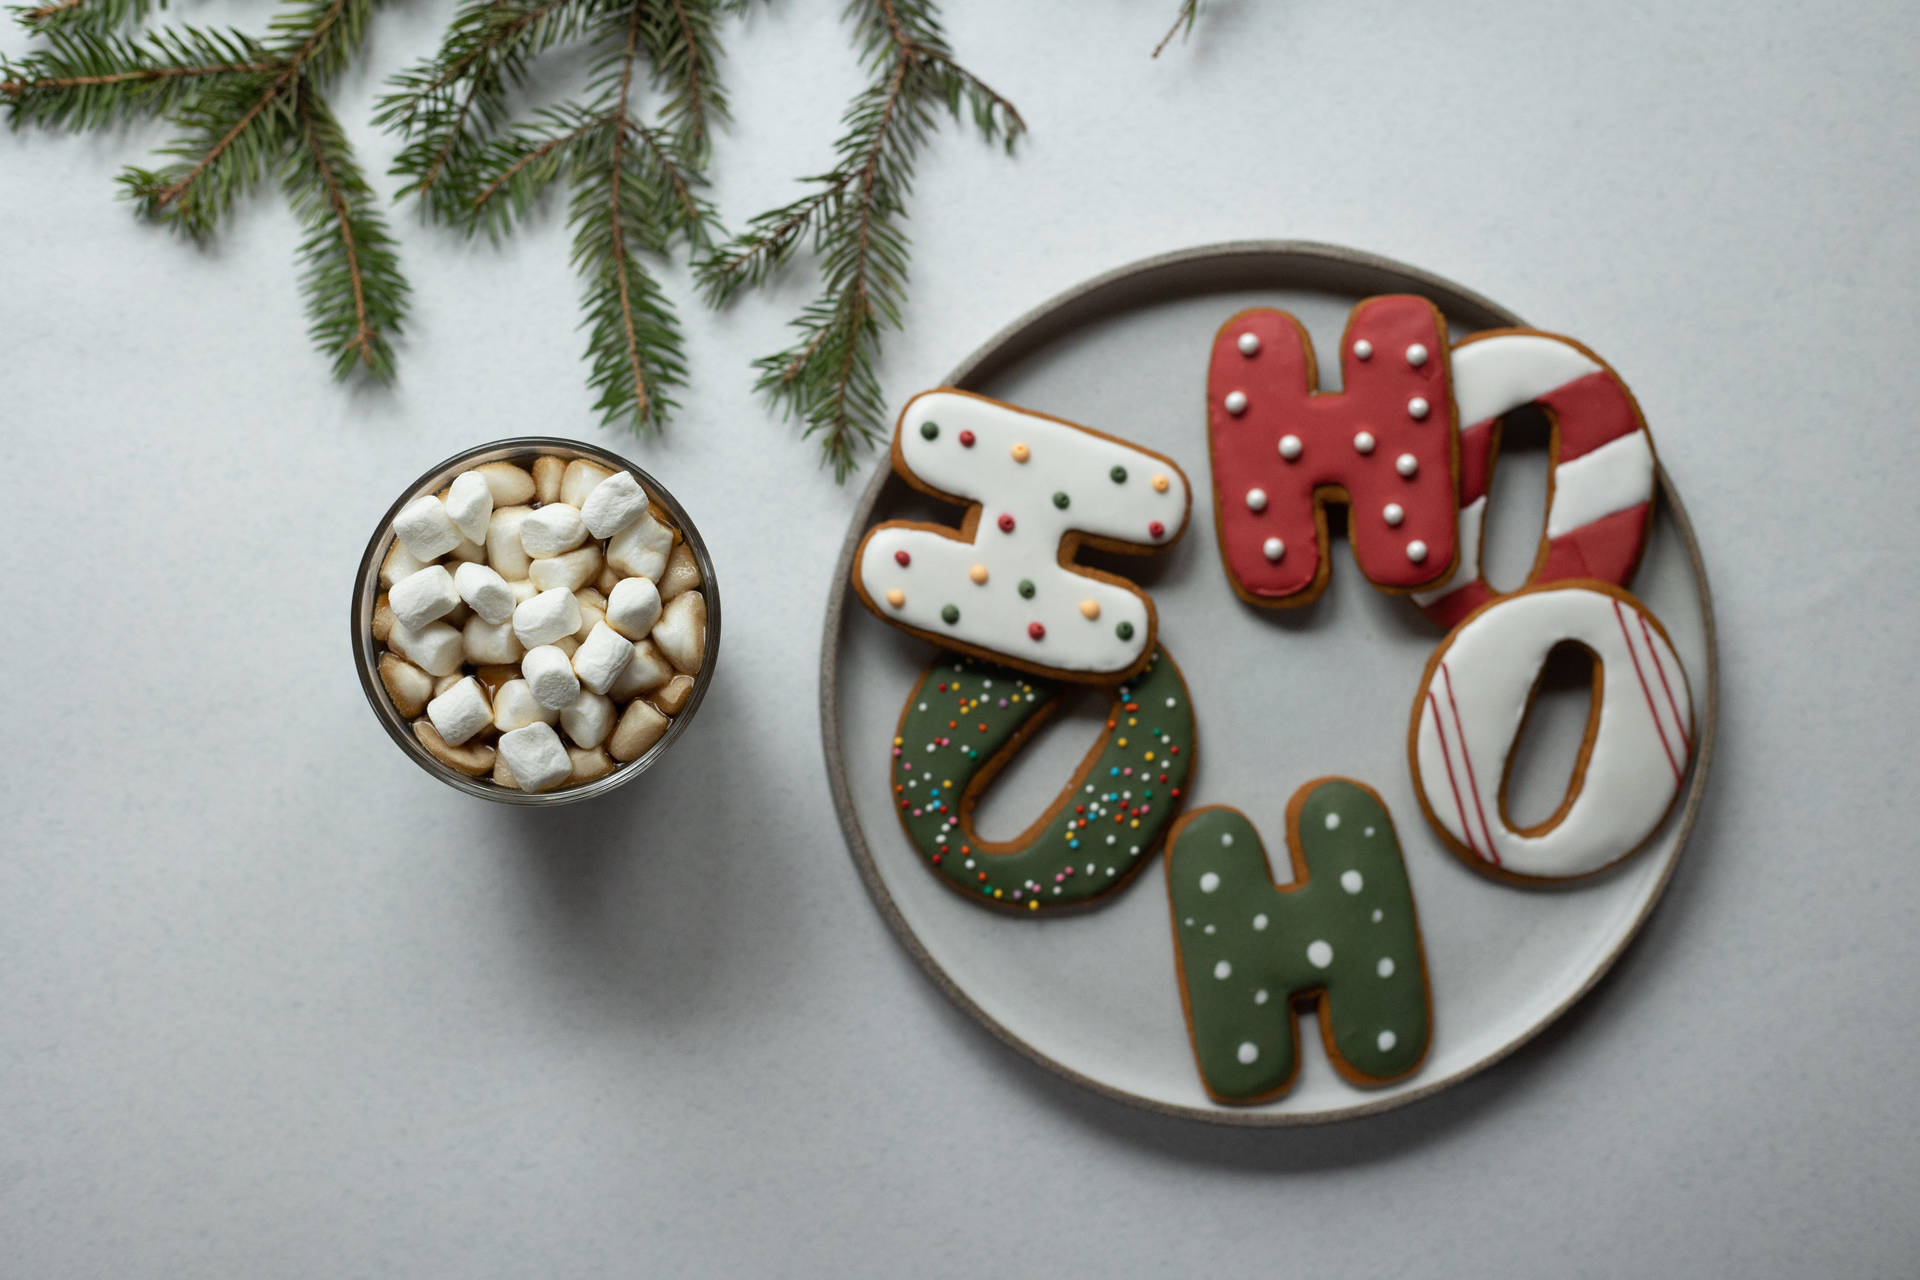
{"x":1182,"y":25}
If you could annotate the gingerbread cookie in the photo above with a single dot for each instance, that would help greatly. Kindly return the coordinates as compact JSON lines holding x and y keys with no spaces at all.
{"x":1282,"y":450}
{"x":1344,"y":934}
{"x":1003,"y":585}
{"x":1474,"y":699}
{"x":1600,"y":496}
{"x":967,"y":719}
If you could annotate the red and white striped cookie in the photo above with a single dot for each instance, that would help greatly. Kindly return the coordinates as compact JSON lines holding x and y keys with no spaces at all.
{"x":1474,"y":699}
{"x":1601,"y":488}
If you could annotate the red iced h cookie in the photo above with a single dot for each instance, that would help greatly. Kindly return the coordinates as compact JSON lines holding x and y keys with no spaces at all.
{"x":1384,"y":445}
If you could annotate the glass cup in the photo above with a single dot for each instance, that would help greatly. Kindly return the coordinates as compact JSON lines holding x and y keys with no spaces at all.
{"x":366,"y":590}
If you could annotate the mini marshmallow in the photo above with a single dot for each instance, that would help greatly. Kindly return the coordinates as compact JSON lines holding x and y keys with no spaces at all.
{"x":435,"y":648}
{"x":503,"y":776}
{"x":460,"y":712}
{"x":549,"y":673}
{"x":592,"y":612}
{"x":633,"y":608}
{"x":547,"y":475}
{"x":648,"y":670}
{"x":422,"y":596}
{"x":486,"y":642}
{"x":589,"y":764}
{"x":399,"y":563}
{"x":579,"y":480}
{"x":546,"y":618}
{"x":601,"y":657}
{"x":406,"y":684}
{"x":615,"y":503}
{"x":683,"y":572}
{"x":446,"y":682}
{"x":671,"y":697}
{"x":638,"y":729}
{"x":504,"y":552}
{"x":589,"y":719}
{"x":469,"y":503}
{"x":569,"y":572}
{"x":567,"y":645}
{"x":609,"y":579}
{"x":426,"y":528}
{"x":553,"y":530}
{"x":681,"y":632}
{"x":485,"y":592}
{"x":470,"y":552}
{"x":640,"y":550}
{"x":382,"y":619}
{"x":523,"y":591}
{"x":536,"y":757}
{"x":511,"y":486}
{"x":514,"y":707}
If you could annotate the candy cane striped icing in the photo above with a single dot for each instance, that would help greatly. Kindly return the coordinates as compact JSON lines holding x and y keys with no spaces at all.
{"x":1601,"y":455}
{"x":1475,"y":696}
{"x":1001,"y":584}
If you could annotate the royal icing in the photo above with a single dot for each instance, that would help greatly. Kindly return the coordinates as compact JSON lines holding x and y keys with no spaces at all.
{"x":1474,"y":698}
{"x":1601,"y":457}
{"x":1344,"y":932}
{"x":967,"y":718}
{"x":1386,"y":439}
{"x":1001,"y":583}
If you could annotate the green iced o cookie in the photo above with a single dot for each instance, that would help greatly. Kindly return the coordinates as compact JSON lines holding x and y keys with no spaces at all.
{"x":1344,"y":933}
{"x":967,"y":718}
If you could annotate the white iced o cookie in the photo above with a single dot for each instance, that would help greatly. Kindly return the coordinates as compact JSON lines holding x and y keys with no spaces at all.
{"x":1003,"y":584}
{"x":1478,"y":685}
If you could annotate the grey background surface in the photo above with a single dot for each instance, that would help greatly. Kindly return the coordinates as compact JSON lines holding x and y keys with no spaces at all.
{"x":275,"y":1003}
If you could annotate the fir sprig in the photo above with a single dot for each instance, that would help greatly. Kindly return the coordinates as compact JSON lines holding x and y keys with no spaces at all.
{"x":1182,"y":25}
{"x":853,"y":220}
{"x":247,"y":108}
{"x":636,"y":185}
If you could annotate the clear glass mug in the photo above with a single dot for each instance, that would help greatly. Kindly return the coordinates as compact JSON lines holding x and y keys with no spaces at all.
{"x":366,"y":590}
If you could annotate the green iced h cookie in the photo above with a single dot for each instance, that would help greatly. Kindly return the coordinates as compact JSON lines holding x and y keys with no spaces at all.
{"x":1344,"y":932}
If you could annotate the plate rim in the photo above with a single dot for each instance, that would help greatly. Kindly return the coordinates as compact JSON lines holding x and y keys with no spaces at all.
{"x":1061,"y":311}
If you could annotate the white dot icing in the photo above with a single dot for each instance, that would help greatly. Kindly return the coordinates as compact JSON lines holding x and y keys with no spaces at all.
{"x":1319,"y":953}
{"x":1236,"y":402}
{"x":1385,"y":967}
{"x":1248,"y":1053}
{"x":1418,"y":407}
{"x":1363,"y":441}
{"x":1393,"y":513}
{"x":1406,"y":464}
{"x":1209,"y":882}
{"x":1249,"y":344}
{"x":1226,"y":840}
{"x":1363,"y":350}
{"x":1260,"y":922}
{"x":1352,"y":881}
{"x":1260,"y":996}
{"x":1416,"y":355}
{"x":1387,"y":1040}
{"x":1256,"y":499}
{"x":1290,"y":447}
{"x":1223,"y":971}
{"x":1417,"y":551}
{"x":1333,"y":822}
{"x":1273,"y":549}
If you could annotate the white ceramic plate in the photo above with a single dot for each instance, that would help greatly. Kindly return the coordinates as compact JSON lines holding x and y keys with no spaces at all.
{"x":1280,"y":698}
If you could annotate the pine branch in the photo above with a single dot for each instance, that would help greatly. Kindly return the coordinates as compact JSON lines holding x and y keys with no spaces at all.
{"x":451,"y":105}
{"x":351,"y":278}
{"x":1182,"y":25}
{"x":98,"y":15}
{"x":86,"y":79}
{"x":853,"y":219}
{"x":683,"y":53}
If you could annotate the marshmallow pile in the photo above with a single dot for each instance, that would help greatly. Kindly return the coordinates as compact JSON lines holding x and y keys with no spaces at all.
{"x":520,"y":599}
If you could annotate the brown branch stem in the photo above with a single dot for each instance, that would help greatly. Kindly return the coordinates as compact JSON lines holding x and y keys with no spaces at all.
{"x":148,"y":74}
{"x":546,"y":148}
{"x":696,"y":111}
{"x":363,"y":334}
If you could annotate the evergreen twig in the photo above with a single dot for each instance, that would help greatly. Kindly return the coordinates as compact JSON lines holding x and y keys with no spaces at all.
{"x":852,"y":218}
{"x":1182,"y":25}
